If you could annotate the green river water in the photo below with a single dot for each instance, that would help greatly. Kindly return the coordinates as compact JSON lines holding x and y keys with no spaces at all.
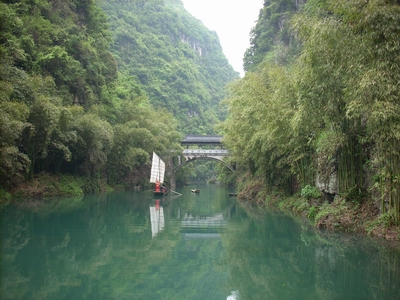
{"x":130,"y":245}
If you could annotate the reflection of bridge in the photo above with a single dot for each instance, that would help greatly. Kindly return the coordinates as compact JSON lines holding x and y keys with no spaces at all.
{"x":197,"y":224}
{"x":195,"y":227}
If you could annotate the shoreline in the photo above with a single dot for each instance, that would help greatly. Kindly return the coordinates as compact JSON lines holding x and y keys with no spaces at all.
{"x":337,"y":216}
{"x":46,"y":186}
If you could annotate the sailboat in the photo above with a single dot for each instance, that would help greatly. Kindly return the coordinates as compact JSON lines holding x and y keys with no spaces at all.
{"x":157,"y":175}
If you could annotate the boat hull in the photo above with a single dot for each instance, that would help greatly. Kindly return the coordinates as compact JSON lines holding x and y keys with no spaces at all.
{"x":159,"y":193}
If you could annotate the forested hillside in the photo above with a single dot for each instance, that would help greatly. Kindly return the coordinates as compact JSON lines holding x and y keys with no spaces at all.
{"x":318,"y":110}
{"x":92,"y":95}
{"x":175,"y":58}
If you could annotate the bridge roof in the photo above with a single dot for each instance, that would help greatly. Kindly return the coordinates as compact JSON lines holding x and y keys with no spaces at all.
{"x":196,"y":139}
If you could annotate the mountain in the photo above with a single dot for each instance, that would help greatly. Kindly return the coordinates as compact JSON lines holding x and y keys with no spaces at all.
{"x":91,"y":91}
{"x":175,"y":58}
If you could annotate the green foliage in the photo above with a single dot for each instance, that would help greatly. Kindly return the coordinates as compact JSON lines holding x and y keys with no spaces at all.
{"x":71,"y":185}
{"x":13,"y":163}
{"x":356,"y":195}
{"x":95,"y":142}
{"x":261,"y":107}
{"x":271,"y":34}
{"x":312,"y":213}
{"x":63,"y":108}
{"x":385,"y":220}
{"x":325,"y":110}
{"x":310,"y":192}
{"x":178,"y":61}
{"x":5,"y":197}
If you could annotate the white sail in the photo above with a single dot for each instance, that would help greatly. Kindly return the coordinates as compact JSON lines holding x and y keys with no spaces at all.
{"x":157,"y":169}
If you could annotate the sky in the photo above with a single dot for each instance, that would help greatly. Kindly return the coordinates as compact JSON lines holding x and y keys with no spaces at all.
{"x":232,"y":20}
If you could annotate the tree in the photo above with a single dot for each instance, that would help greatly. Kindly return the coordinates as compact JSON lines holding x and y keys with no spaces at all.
{"x":178,"y":61}
{"x":95,"y":142}
{"x":13,"y":163}
{"x":271,"y":34}
{"x":339,"y":105}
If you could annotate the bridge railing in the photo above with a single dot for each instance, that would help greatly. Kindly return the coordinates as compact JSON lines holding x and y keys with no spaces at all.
{"x":201,"y":152}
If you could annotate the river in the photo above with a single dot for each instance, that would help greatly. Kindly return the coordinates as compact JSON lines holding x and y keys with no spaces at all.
{"x":130,"y":245}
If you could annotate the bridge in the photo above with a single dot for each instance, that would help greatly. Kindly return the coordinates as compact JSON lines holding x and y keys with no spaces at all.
{"x":207,"y":141}
{"x":202,"y":140}
{"x":206,"y":147}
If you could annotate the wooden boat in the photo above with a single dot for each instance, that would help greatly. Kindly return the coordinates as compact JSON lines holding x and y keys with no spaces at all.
{"x":157,"y":175}
{"x":196,"y":191}
{"x":155,"y":193}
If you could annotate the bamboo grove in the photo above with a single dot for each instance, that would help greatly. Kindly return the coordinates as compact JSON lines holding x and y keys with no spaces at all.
{"x":89,"y":91}
{"x":324,"y":100}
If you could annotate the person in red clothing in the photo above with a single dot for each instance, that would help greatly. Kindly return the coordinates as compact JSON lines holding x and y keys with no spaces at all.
{"x":157,"y":186}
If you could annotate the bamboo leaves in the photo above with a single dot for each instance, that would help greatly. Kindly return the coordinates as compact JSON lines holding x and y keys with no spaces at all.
{"x":337,"y":102}
{"x":62,"y":108}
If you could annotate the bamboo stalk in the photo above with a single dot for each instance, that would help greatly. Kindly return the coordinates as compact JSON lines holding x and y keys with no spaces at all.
{"x":176,"y":193}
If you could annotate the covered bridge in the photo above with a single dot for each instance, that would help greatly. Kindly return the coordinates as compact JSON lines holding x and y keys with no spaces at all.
{"x":201,"y":140}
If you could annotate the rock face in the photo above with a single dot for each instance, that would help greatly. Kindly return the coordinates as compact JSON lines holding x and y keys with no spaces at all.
{"x":328,"y":184}
{"x":193,"y":44}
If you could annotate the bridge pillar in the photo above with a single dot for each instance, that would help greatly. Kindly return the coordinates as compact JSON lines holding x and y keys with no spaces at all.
{"x":172,"y":179}
{"x":173,"y":182}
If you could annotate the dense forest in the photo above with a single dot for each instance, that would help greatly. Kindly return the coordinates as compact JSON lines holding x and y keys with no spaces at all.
{"x":178,"y":61}
{"x":89,"y":89}
{"x":318,"y":109}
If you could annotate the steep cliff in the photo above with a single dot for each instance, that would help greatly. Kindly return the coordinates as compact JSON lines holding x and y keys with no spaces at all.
{"x":176,"y":59}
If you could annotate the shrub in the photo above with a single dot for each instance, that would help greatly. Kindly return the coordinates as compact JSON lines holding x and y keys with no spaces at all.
{"x":312,"y":213}
{"x":310,"y":192}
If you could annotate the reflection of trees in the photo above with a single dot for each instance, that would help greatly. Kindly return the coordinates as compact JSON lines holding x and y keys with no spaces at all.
{"x":195,"y":263}
{"x":361,"y":267}
{"x":271,"y":257}
{"x":268,"y":259}
{"x":13,"y":239}
{"x":101,"y":250}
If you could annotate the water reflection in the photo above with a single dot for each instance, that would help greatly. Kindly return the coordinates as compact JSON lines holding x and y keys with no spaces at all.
{"x":204,"y":246}
{"x":275,"y":257}
{"x":156,"y":218}
{"x":234,"y":296}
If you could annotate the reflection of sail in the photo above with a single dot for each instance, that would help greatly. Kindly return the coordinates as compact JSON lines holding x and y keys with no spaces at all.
{"x":234,"y":296}
{"x":157,"y":169}
{"x":156,"y":218}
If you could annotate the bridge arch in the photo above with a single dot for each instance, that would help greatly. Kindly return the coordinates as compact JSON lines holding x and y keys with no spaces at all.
{"x":187,"y":161}
{"x":213,"y":149}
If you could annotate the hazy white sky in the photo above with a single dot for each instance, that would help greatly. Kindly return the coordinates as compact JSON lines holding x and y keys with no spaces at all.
{"x":232,"y":20}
